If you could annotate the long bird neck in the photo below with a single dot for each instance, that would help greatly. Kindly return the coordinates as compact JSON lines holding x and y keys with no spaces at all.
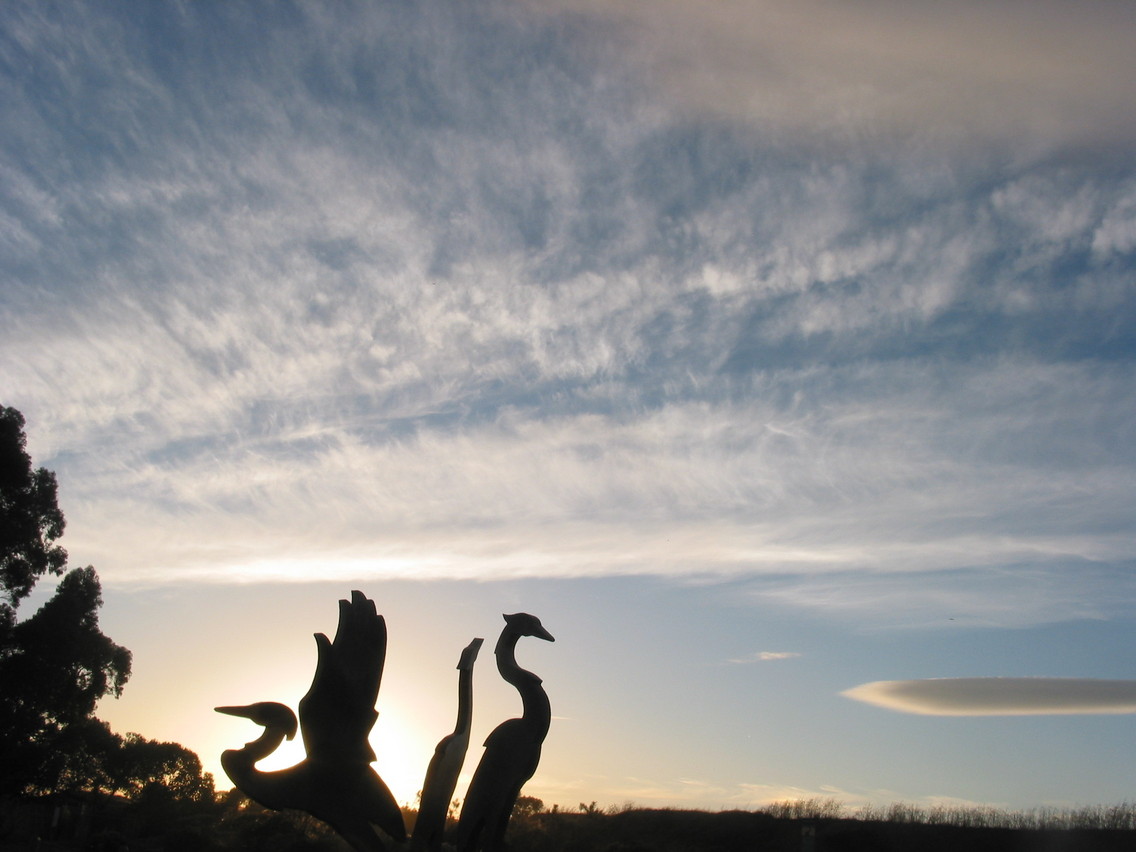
{"x":465,"y":701}
{"x":537,"y":712}
{"x":256,"y":750}
{"x":272,"y":789}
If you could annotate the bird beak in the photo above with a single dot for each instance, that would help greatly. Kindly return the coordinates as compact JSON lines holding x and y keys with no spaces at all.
{"x":267,"y":714}
{"x":243,"y":712}
{"x":544,"y":634}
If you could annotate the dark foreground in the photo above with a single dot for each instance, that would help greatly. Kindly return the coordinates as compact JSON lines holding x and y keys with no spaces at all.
{"x":741,"y":831}
{"x":121,"y":828}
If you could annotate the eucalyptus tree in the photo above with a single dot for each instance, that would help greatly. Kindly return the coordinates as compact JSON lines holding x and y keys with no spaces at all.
{"x":55,"y":664}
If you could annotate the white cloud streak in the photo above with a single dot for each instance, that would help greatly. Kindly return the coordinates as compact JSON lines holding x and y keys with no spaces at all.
{"x":1001,"y":696}
{"x":766,"y":656}
{"x":696,"y":487}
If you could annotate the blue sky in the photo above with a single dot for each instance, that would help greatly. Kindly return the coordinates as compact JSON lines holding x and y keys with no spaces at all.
{"x":763,"y":353}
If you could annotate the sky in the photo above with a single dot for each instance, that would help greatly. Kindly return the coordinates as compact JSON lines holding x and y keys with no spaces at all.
{"x":781,"y":358}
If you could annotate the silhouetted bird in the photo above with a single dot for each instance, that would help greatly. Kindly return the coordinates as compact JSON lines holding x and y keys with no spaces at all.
{"x":445,"y":765}
{"x":512,"y":750}
{"x":335,"y":783}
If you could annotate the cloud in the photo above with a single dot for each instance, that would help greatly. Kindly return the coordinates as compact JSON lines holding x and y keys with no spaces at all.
{"x":1002,"y":70}
{"x":828,"y":797}
{"x":700,"y":792}
{"x":871,"y":497}
{"x":511,"y":313}
{"x":1007,"y":591}
{"x":767,"y":656}
{"x":1002,"y":696}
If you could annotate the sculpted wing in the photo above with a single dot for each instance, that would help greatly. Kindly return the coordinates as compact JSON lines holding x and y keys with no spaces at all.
{"x":338,"y":712}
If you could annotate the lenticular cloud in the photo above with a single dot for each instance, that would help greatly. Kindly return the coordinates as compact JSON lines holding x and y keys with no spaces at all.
{"x":999,"y":696}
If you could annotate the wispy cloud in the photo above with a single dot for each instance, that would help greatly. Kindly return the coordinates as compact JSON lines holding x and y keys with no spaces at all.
{"x":1011,"y":591}
{"x":458,"y":316}
{"x":712,"y":487}
{"x":1002,"y":696}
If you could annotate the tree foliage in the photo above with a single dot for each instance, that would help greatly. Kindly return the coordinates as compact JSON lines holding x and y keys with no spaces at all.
{"x":138,"y":767}
{"x":527,"y":806}
{"x":56,"y":664}
{"x":30,"y":519}
{"x":55,"y":667}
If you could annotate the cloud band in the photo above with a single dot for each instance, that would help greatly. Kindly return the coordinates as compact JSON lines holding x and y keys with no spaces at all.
{"x":999,"y":696}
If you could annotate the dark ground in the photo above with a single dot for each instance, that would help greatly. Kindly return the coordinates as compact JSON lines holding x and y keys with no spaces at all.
{"x":740,"y":831}
{"x":117,"y":829}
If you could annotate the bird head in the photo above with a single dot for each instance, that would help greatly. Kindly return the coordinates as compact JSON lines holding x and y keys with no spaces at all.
{"x":468,"y":656}
{"x":528,"y":625}
{"x":268,"y":714}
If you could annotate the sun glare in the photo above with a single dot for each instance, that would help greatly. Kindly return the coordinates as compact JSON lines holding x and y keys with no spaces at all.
{"x":403,"y":753}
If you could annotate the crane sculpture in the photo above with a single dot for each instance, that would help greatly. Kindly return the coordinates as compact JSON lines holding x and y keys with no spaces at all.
{"x":512,"y":750}
{"x":335,"y":783}
{"x":445,"y":765}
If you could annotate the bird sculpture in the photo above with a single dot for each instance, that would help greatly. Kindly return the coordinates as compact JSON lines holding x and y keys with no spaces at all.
{"x":335,"y":782}
{"x":446,"y":764}
{"x":512,"y":750}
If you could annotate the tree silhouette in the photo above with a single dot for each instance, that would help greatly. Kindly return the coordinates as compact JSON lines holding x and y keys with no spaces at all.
{"x":30,"y":520}
{"x":527,"y":806}
{"x":138,"y":765}
{"x":56,"y":664}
